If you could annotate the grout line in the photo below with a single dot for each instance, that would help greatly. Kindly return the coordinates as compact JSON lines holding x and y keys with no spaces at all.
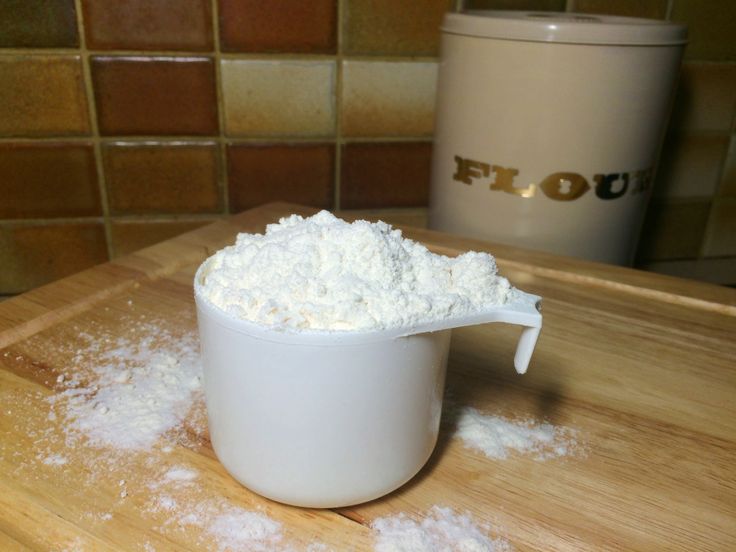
{"x":165,"y":141}
{"x":94,"y":126}
{"x":51,"y":51}
{"x":222,"y":181}
{"x":154,"y":218}
{"x":51,"y":221}
{"x":47,"y":139}
{"x":709,"y":231}
{"x":392,"y":58}
{"x":382,"y":139}
{"x":337,"y":177}
{"x":387,"y":211}
{"x":105,"y":53}
{"x":216,"y":53}
{"x":163,"y":217}
{"x":151,"y":218}
{"x":171,"y":140}
{"x":668,"y":11}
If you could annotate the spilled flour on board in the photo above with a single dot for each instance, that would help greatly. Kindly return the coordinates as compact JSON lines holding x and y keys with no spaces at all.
{"x":438,"y":530}
{"x":183,"y":503}
{"x":141,"y":387}
{"x":498,"y":437}
{"x":128,"y":405}
{"x":123,"y":402}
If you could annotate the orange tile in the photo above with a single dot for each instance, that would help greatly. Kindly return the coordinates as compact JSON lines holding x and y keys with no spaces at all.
{"x":146,"y":25}
{"x":390,"y":27}
{"x":42,"y":95}
{"x":35,"y":255}
{"x":162,"y":178}
{"x":652,"y":9}
{"x":710,"y":27}
{"x":388,"y":98}
{"x":706,"y":97}
{"x":385,"y":175}
{"x":38,"y":24}
{"x":282,"y":26}
{"x":722,"y":239}
{"x":155,"y":95}
{"x":128,"y":237}
{"x":300,"y":173}
{"x":48,"y":180}
{"x":673,"y":230}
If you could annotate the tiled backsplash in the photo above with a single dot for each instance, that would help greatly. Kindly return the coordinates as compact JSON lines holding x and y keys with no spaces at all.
{"x":125,"y":123}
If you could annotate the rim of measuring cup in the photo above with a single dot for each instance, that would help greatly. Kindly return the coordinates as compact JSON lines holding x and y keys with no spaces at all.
{"x":280,"y":334}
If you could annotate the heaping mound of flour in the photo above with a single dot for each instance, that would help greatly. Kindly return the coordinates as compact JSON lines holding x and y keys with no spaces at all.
{"x":323,"y":273}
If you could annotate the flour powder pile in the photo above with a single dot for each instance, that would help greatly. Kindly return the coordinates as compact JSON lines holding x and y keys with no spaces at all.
{"x":323,"y":273}
{"x":138,"y":389}
{"x":440,"y":530}
{"x":497,"y":437}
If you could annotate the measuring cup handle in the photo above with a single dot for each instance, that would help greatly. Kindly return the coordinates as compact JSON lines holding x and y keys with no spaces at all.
{"x":525,"y":348}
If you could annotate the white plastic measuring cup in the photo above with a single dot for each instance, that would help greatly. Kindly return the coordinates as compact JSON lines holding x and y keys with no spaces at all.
{"x":327,"y":419}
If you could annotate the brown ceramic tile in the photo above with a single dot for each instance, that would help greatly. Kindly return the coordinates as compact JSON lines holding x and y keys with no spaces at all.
{"x":146,"y":25}
{"x":706,"y":97}
{"x":155,"y":96}
{"x":278,"y":97}
{"x":128,"y":237}
{"x":528,"y":5}
{"x":673,"y":230}
{"x":38,"y":24}
{"x":42,"y":95}
{"x":653,"y":9}
{"x":416,"y":217}
{"x":728,"y":181}
{"x":710,"y":27}
{"x":391,"y":27}
{"x":690,"y":164}
{"x":48,"y":180}
{"x":278,"y":26}
{"x":722,"y":239}
{"x":300,"y":173}
{"x":35,"y":255}
{"x":385,"y":175}
{"x":162,"y":178}
{"x":388,"y":98}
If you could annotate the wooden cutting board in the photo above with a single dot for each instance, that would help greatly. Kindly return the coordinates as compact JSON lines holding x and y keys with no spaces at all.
{"x":642,"y":367}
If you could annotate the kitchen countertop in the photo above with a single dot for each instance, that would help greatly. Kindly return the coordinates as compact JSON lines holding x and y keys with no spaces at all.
{"x":641,"y":366}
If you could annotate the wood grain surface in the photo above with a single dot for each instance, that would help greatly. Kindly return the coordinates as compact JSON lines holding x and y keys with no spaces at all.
{"x":642,"y":367}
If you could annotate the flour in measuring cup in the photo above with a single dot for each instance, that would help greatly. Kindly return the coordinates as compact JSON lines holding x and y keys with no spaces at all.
{"x":323,"y":273}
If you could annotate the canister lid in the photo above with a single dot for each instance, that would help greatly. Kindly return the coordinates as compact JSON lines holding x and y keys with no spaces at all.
{"x":571,"y":28}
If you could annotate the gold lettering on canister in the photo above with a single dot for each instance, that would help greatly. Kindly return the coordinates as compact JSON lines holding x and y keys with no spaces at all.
{"x":467,"y":169}
{"x":505,"y":182}
{"x":607,"y":186}
{"x":642,"y":181}
{"x":564,"y":186}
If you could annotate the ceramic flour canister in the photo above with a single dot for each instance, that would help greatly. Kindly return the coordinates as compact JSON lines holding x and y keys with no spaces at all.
{"x":548,"y":128}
